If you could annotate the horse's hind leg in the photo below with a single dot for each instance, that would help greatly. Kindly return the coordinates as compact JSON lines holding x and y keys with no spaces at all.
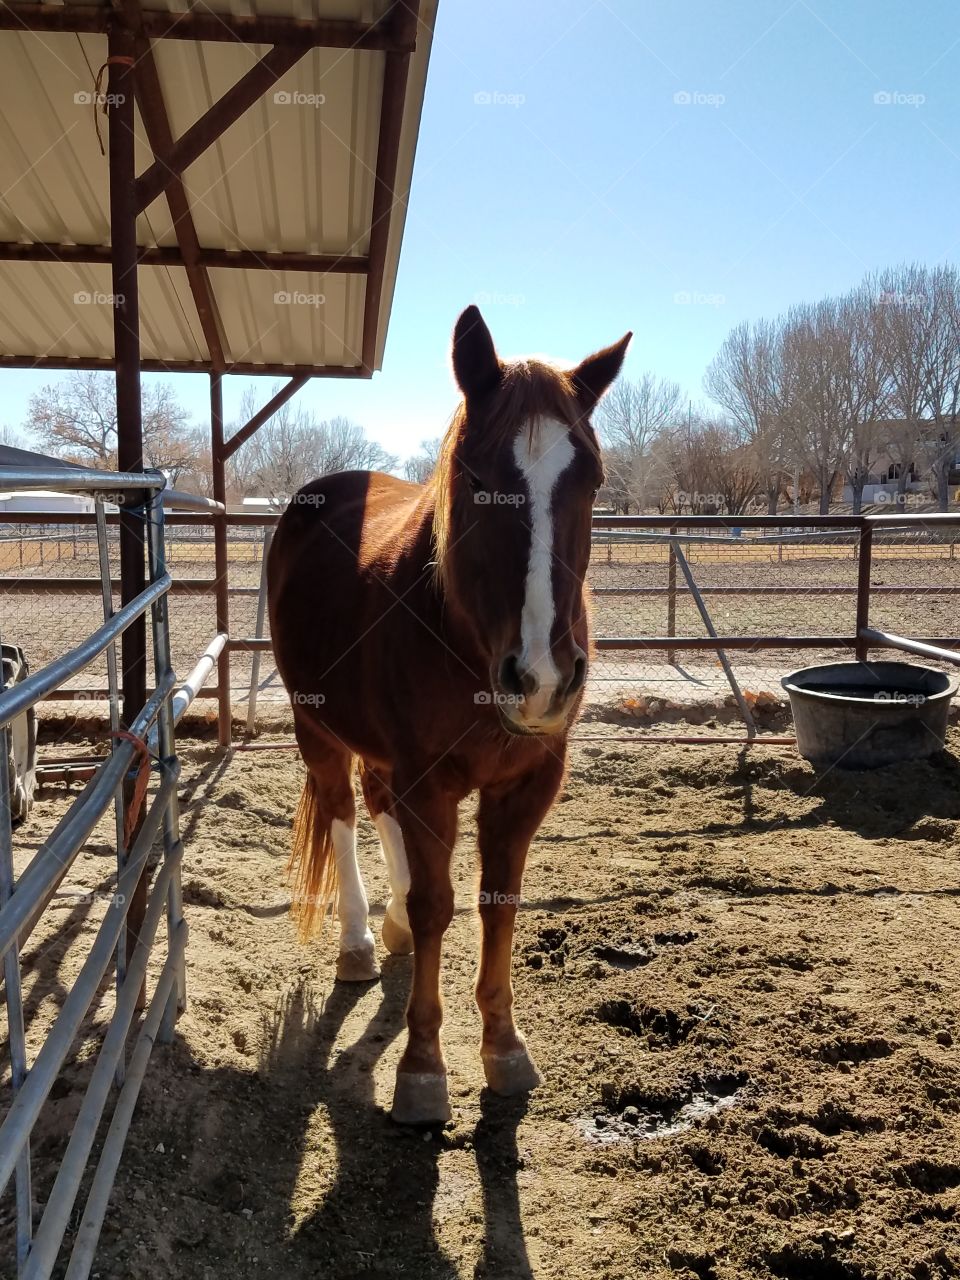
{"x":376,"y":784}
{"x":325,"y":825}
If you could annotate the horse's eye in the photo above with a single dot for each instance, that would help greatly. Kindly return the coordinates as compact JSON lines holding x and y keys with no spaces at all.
{"x":475,"y":483}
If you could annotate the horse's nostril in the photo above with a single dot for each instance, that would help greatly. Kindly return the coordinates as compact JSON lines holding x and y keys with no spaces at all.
{"x":578,"y":677}
{"x":511,"y":681}
{"x":517,"y":680}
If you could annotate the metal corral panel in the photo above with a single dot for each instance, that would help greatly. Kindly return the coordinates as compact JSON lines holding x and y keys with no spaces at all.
{"x":294,"y":174}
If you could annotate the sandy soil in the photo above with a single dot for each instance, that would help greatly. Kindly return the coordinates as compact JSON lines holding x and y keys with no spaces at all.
{"x":738,"y":976}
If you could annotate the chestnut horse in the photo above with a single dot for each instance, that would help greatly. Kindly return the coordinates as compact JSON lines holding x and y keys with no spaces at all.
{"x":438,"y":634}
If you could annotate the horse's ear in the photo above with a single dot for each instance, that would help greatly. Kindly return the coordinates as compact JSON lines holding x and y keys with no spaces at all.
{"x":475,"y":363}
{"x":593,"y":376}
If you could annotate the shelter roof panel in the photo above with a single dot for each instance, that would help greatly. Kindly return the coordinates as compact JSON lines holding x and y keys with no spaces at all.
{"x":294,"y":174}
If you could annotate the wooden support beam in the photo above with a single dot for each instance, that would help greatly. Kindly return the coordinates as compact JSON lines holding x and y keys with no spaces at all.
{"x":384,"y":194}
{"x":126,"y":345}
{"x":170,"y":256}
{"x":153,"y":112}
{"x":263,"y":415}
{"x":228,"y":28}
{"x":173,"y":159}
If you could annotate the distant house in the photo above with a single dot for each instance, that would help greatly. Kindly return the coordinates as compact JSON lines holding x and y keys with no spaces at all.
{"x":884,"y":478}
{"x":14,"y":501}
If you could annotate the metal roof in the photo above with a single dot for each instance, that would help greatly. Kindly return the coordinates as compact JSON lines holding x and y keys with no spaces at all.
{"x":294,"y":175}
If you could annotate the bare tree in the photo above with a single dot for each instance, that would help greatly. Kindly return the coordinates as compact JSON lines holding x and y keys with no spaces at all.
{"x":905,"y":321}
{"x":816,"y":345}
{"x":746,"y":379}
{"x":940,"y":441}
{"x":629,"y":421}
{"x":715,"y":468}
{"x":294,"y":447}
{"x":76,"y":419}
{"x":420,"y":467}
{"x":860,"y":386}
{"x":12,"y":437}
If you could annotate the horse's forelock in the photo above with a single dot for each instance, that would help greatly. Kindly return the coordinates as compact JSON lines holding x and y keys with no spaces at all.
{"x":530,"y":393}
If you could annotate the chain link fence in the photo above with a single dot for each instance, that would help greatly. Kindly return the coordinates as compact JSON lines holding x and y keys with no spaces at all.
{"x":760,"y":583}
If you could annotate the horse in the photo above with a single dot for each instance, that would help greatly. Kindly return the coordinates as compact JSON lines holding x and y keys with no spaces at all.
{"x":436,"y":637}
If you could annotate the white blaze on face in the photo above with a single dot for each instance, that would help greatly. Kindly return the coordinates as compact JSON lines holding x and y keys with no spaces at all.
{"x":542,"y":460}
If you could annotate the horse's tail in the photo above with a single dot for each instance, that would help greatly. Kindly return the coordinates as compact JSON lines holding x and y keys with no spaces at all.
{"x":312,"y":867}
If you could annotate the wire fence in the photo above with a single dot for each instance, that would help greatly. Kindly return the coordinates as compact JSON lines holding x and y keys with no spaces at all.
{"x":771,"y":585}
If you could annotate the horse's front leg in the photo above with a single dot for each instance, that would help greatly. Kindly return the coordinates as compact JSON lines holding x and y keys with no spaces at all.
{"x":428,"y":821}
{"x":508,"y":818}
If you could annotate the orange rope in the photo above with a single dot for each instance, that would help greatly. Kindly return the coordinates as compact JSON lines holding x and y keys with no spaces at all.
{"x":131,"y":813}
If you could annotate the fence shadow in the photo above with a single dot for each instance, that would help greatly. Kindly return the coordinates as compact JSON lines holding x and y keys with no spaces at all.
{"x":255,"y":1195}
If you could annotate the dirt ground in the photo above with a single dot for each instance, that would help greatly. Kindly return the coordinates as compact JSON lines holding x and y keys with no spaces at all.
{"x":739,"y":977}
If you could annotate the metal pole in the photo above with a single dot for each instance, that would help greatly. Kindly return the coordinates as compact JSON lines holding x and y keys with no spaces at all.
{"x":863,"y":591}
{"x":712,"y":632}
{"x":81,"y":1259}
{"x":218,"y":466}
{"x":889,"y":640}
{"x":106,"y":586}
{"x":672,"y":597}
{"x":167,"y":749}
{"x":11,"y":977}
{"x":258,"y":633}
{"x":126,"y":343}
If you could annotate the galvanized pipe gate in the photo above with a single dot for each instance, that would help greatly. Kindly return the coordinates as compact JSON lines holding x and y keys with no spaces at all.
{"x":147,"y":741}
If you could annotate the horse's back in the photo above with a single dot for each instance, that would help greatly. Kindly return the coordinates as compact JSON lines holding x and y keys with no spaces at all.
{"x":337,"y":563}
{"x":339,"y":523}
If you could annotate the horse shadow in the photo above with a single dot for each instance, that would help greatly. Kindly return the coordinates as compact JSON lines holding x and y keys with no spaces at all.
{"x":314,"y":1102}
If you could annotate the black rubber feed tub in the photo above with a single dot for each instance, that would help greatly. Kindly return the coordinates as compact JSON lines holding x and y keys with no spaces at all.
{"x":862,"y":715}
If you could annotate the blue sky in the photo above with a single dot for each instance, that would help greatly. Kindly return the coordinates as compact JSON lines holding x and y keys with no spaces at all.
{"x":583,"y":198}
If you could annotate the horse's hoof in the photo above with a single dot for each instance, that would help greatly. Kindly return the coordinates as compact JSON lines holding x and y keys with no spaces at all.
{"x":420,"y":1097}
{"x":358,"y":964}
{"x":397,"y":939}
{"x":511,"y":1073}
